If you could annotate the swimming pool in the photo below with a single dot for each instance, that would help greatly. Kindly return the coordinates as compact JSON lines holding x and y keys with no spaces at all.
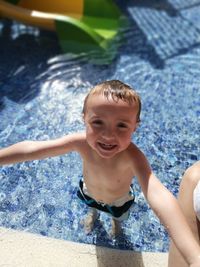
{"x":41,"y":97}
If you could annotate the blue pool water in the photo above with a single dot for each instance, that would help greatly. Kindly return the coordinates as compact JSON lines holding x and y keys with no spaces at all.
{"x":41,"y":96}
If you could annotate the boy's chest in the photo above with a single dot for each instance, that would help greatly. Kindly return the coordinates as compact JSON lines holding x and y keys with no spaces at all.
{"x":112,"y":174}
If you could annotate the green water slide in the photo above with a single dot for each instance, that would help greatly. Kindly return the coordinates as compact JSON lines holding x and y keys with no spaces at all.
{"x":83,"y":26}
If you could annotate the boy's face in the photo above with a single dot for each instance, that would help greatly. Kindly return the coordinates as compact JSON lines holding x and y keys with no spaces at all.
{"x":109,"y":125}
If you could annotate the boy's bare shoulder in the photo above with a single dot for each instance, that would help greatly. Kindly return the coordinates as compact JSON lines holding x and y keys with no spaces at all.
{"x":134,"y":150}
{"x":139,"y":165}
{"x":79,"y":142}
{"x":138,"y":158}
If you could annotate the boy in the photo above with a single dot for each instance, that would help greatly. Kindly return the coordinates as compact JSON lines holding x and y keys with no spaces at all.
{"x":111,"y":114}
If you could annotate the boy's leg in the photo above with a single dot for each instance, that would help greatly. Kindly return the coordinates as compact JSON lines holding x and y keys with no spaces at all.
{"x":116,"y":227}
{"x":185,"y":199}
{"x":90,"y":220}
{"x":116,"y":223}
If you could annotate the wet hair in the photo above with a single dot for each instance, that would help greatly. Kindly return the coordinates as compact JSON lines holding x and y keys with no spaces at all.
{"x":118,"y":91}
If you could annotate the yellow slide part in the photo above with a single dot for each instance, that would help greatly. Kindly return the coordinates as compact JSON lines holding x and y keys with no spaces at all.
{"x":41,"y":13}
{"x":62,"y":7}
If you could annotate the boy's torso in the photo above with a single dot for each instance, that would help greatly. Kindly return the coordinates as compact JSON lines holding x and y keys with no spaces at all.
{"x":107,"y":179}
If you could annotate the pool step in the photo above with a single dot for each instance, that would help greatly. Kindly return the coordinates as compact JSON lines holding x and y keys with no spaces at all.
{"x":22,"y":249}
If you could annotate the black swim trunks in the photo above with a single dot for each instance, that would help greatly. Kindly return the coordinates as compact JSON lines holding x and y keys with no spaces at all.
{"x":116,"y":212}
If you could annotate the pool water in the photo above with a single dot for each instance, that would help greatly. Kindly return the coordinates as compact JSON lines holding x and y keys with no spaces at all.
{"x":41,"y":97}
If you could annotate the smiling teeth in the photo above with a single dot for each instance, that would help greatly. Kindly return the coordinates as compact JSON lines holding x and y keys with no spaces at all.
{"x":107,"y":145}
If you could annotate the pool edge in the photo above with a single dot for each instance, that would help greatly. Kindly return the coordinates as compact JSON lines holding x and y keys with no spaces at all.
{"x":22,"y":249}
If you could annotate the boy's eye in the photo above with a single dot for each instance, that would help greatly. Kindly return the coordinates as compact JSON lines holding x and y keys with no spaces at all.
{"x":97,"y":122}
{"x":122,"y":125}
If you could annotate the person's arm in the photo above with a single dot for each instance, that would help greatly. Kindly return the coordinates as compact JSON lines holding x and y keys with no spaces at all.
{"x":196,"y":263}
{"x":32,"y":150}
{"x":169,"y":212}
{"x":166,"y":207}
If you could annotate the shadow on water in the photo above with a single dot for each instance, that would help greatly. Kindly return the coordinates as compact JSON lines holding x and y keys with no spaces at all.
{"x":158,"y":31}
{"x":22,"y":60}
{"x":28,"y":60}
{"x":112,"y":257}
{"x":171,"y":7}
{"x":160,"y":5}
{"x":136,"y":44}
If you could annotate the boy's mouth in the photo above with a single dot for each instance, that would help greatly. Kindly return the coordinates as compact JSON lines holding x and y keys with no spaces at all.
{"x":106,"y":146}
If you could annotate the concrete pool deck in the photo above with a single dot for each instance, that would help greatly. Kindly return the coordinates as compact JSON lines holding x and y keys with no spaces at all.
{"x":22,"y":249}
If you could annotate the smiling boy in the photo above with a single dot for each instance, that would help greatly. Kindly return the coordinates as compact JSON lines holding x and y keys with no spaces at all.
{"x":111,"y":114}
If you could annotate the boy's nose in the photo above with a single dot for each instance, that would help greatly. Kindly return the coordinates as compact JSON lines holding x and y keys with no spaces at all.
{"x":108,"y":133}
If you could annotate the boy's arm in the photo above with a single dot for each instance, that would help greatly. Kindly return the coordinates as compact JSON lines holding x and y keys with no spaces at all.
{"x":167,"y":209}
{"x":32,"y":150}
